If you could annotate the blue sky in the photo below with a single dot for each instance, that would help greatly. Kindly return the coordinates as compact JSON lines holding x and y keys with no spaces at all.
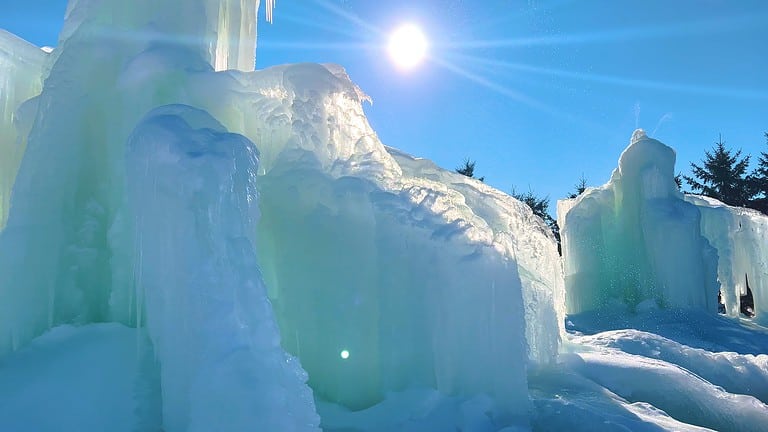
{"x":538,"y":92}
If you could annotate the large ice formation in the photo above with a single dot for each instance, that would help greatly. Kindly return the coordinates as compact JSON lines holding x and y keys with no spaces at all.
{"x":638,"y":242}
{"x":22,"y":69}
{"x":636,"y":239}
{"x":739,"y":235}
{"x":140,"y":200}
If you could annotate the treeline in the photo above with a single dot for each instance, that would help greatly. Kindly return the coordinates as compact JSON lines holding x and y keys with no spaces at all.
{"x":723,"y":174}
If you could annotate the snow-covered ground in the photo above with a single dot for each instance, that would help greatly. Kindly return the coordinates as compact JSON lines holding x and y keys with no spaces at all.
{"x":674,"y":370}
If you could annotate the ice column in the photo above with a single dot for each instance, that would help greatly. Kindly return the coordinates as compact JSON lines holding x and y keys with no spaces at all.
{"x":636,"y":239}
{"x":191,"y":192}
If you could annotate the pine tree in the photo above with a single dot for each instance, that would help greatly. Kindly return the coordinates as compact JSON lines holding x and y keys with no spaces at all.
{"x":759,"y":180}
{"x":540,"y":207}
{"x":580,"y":187}
{"x":679,"y":181}
{"x":722,"y":175}
{"x":468,"y":169}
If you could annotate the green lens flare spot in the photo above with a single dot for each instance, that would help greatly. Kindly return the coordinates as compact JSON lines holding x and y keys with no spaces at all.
{"x":344,"y":354}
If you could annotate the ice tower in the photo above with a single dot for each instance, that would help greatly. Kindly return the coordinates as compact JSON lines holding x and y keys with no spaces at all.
{"x":636,"y":239}
{"x":638,"y":242}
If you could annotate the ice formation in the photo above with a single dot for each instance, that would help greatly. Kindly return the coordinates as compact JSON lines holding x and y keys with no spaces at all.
{"x":638,"y":242}
{"x":22,"y":69}
{"x":739,"y":236}
{"x":244,"y":254}
{"x":140,"y":200}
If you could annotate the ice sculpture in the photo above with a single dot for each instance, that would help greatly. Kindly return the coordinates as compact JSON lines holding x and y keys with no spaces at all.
{"x":636,"y":239}
{"x":136,"y":203}
{"x":739,"y":235}
{"x":206,"y":308}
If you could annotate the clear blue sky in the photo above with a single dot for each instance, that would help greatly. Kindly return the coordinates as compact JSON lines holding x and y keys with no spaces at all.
{"x":538,"y":92}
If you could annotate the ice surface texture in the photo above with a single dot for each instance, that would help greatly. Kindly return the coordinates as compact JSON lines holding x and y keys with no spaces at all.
{"x":22,"y":70}
{"x":637,"y":242}
{"x":739,"y":235}
{"x":140,"y":200}
{"x":635,"y":239}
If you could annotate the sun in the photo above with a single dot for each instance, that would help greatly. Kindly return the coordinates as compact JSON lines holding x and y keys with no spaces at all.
{"x":407,"y":46}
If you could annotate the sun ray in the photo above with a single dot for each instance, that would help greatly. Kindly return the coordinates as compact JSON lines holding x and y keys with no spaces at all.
{"x":618,"y":35}
{"x":351,"y":18}
{"x":622,"y":81}
{"x":324,"y":46}
{"x":506,"y":91}
{"x":313,"y":22}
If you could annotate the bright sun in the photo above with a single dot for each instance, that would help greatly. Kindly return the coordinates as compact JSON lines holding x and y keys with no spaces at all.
{"x":407,"y":46}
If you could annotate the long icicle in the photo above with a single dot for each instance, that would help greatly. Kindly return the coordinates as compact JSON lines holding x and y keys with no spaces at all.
{"x":270,"y":7}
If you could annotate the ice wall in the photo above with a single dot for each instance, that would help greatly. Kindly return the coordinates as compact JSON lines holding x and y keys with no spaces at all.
{"x":191,"y":194}
{"x":739,"y":235}
{"x":222,"y":32}
{"x":420,"y":276}
{"x":408,"y":264}
{"x":22,"y":69}
{"x":636,"y":239}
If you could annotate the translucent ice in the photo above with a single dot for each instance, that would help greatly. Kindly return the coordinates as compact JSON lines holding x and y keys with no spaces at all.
{"x":138,"y":205}
{"x":739,"y":235}
{"x":636,"y":239}
{"x":208,"y":316}
{"x":22,"y":69}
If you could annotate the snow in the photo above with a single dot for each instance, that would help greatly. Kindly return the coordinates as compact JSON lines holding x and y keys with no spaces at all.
{"x":609,"y":380}
{"x":705,"y":370}
{"x":72,"y":379}
{"x":195,"y":246}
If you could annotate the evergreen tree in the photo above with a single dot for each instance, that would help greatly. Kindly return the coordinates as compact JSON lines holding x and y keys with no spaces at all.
{"x":722,"y":175}
{"x":468,"y":169}
{"x":759,"y":180}
{"x":679,"y":181}
{"x":540,"y":207}
{"x":580,"y":187}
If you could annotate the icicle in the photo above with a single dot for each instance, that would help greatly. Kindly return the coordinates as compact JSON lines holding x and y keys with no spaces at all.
{"x":270,"y":7}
